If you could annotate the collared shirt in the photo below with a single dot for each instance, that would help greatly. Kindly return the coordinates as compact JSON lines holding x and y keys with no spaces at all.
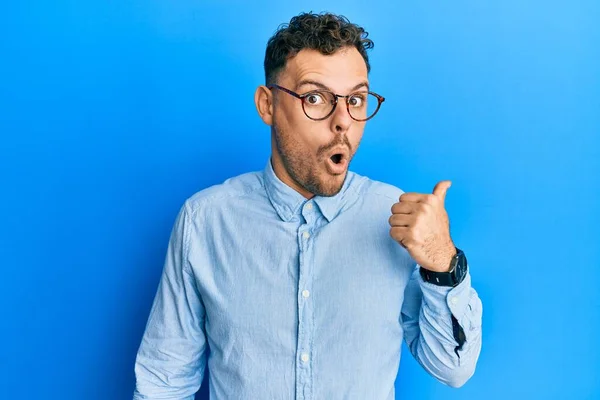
{"x":297,"y":299}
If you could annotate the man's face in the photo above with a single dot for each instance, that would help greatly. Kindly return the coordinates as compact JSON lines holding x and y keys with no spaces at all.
{"x":305,"y":147}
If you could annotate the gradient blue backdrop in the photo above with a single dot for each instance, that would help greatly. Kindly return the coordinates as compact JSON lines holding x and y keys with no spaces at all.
{"x":111,"y":115}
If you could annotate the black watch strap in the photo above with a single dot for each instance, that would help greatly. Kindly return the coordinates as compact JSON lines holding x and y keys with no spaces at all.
{"x":458,"y":271}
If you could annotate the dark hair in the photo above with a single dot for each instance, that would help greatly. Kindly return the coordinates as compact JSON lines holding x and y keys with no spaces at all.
{"x":324,"y":32}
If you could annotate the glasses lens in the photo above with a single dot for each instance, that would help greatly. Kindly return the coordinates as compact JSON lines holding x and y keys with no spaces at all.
{"x":318,"y":104}
{"x":362,"y":105}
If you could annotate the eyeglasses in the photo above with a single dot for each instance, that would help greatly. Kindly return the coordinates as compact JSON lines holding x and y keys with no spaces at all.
{"x":320,"y":104}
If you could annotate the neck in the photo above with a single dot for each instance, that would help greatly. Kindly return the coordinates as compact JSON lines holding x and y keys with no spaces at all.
{"x":285,"y":177}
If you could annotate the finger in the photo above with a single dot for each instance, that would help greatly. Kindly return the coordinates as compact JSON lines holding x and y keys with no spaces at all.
{"x":441,"y":188}
{"x":401,"y":235}
{"x":405,"y":220}
{"x":414,"y":197}
{"x":404,"y":208}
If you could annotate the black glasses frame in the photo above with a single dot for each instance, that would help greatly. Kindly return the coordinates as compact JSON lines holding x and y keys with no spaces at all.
{"x":380,"y":99}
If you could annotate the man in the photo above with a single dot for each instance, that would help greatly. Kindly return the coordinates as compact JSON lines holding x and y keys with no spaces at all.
{"x":304,"y":278}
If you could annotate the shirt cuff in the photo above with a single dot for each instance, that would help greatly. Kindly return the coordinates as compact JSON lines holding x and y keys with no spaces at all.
{"x":446,"y":300}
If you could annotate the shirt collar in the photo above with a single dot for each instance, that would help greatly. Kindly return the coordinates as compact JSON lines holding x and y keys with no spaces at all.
{"x":288,"y":202}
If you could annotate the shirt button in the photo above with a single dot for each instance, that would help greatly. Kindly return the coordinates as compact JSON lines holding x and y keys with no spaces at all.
{"x":454,"y":300}
{"x":304,"y":357}
{"x":306,"y":235}
{"x":305,"y":293}
{"x":309,"y":206}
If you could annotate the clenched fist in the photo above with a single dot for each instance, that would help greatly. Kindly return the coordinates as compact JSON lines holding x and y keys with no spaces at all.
{"x":419,"y":222}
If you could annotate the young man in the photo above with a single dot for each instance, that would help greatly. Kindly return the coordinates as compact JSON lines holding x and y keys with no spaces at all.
{"x":304,"y":278}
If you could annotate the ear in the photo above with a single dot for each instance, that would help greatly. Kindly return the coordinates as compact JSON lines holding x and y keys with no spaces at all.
{"x":263,"y":100}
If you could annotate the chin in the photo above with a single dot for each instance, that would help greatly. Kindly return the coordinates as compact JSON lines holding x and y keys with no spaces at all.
{"x":331,"y":185}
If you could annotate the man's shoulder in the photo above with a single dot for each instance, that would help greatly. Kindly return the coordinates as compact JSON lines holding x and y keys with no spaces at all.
{"x":232,"y":189}
{"x":375,"y":189}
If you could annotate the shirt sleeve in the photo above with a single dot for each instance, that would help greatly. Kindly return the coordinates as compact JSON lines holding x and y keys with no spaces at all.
{"x":442,"y":328}
{"x":171,"y":359}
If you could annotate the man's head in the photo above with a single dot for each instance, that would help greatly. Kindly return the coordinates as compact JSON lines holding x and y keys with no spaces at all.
{"x":315,"y":52}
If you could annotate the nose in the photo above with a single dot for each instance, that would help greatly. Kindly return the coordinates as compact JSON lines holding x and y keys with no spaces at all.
{"x":341,"y":119}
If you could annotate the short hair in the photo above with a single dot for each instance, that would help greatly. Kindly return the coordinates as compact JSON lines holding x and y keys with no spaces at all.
{"x":324,"y":32}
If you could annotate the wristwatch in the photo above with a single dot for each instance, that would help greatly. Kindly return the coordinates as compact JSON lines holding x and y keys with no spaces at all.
{"x":458,"y":271}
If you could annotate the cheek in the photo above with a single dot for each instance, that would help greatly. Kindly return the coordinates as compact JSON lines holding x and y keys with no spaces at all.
{"x":355,"y":136}
{"x":306,"y":136}
{"x":290,"y":111}
{"x":299,"y":140}
{"x":293,"y":122}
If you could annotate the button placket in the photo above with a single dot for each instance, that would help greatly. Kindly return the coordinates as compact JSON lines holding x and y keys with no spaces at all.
{"x":304,"y":361}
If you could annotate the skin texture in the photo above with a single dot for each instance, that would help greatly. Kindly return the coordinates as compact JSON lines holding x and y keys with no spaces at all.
{"x":301,"y":147}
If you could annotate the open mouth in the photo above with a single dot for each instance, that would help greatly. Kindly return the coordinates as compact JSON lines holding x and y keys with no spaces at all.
{"x":336,"y":158}
{"x":337,"y":163}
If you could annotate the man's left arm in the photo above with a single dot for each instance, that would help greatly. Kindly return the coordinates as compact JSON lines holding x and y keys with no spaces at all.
{"x":441,"y":320}
{"x":442,"y":328}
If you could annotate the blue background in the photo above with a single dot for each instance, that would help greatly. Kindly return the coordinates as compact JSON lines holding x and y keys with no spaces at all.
{"x":113,"y":113}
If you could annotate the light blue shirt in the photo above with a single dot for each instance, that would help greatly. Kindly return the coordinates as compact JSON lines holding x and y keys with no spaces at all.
{"x":297,"y":299}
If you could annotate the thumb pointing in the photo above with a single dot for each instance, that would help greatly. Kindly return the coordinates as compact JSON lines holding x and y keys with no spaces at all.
{"x":441,"y":188}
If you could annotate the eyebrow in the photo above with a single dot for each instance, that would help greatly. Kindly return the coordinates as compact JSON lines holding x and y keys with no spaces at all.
{"x":322,"y":86}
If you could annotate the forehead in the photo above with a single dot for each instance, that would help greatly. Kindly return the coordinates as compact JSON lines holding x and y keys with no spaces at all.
{"x":339,"y":71}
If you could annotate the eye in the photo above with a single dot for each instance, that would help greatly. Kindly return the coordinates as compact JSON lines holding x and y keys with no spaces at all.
{"x":315,"y":99}
{"x":356,"y":100}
